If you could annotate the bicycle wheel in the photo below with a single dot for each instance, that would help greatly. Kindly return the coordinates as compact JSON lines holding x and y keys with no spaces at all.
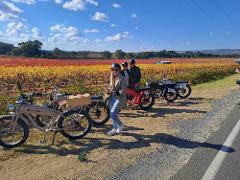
{"x":12,"y":132}
{"x":184,"y":93}
{"x":74,"y":124}
{"x":99,"y":113}
{"x":170,"y":95}
{"x":148,"y":101}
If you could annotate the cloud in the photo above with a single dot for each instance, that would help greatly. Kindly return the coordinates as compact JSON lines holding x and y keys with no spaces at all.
{"x":93,"y":2}
{"x":74,"y":5}
{"x":58,"y":1}
{"x":134,"y":16}
{"x":78,"y":5}
{"x":36,"y":34}
{"x":62,"y":35}
{"x":7,"y":17}
{"x":8,"y":11}
{"x":100,"y":17}
{"x":16,"y":32}
{"x":14,"y":28}
{"x":98,"y":40}
{"x":29,"y":2}
{"x":117,"y":37}
{"x":69,"y":31}
{"x":91,"y":30}
{"x":115,"y":5}
{"x":113,"y":25}
{"x":57,"y":27}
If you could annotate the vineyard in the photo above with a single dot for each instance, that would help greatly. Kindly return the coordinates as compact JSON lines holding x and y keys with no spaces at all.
{"x":72,"y":76}
{"x":95,"y":78}
{"x":16,"y":61}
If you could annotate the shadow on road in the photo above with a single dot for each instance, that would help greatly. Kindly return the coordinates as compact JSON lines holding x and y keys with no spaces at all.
{"x":89,"y":144}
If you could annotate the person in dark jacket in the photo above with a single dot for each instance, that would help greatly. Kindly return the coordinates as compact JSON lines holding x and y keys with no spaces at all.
{"x":134,"y":75}
{"x":125,"y":72}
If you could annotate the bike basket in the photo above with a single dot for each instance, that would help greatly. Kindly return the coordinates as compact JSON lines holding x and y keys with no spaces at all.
{"x":76,"y":101}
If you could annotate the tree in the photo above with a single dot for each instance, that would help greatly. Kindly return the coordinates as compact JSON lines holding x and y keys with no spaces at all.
{"x":29,"y":49}
{"x":147,"y":55}
{"x":130,"y":55}
{"x":5,"y":48}
{"x":57,"y":51}
{"x":119,"y":54}
{"x":16,"y":52}
{"x":107,"y":55}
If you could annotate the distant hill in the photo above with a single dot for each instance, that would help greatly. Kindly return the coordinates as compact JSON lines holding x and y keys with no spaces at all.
{"x":222,"y":51}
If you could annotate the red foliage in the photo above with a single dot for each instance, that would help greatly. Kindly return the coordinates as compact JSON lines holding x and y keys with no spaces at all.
{"x":17,"y":61}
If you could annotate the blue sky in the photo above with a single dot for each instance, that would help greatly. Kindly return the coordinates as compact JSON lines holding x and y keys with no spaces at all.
{"x":130,"y":25}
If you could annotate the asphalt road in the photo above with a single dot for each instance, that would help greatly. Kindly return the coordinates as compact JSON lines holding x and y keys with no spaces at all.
{"x":203,"y":157}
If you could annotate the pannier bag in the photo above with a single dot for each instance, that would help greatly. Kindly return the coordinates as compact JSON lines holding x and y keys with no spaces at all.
{"x":75,"y":101}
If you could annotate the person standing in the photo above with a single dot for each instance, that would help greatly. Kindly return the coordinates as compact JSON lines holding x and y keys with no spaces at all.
{"x":125,"y":72}
{"x":134,"y":75}
{"x":118,"y":100}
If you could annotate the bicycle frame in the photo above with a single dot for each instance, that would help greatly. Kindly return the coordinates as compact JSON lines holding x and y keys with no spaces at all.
{"x":137,"y":96}
{"x":28,"y":111}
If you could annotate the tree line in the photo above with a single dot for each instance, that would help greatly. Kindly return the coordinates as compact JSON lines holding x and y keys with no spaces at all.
{"x":33,"y":49}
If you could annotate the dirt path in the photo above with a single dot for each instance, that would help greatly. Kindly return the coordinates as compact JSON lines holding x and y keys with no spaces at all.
{"x":105,"y":155}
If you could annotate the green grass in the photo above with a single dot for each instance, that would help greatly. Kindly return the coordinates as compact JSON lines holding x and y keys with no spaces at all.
{"x":82,"y":156}
{"x":228,"y":81}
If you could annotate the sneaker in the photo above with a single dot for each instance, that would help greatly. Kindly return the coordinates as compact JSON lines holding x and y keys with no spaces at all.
{"x":119,"y":130}
{"x":112,"y":132}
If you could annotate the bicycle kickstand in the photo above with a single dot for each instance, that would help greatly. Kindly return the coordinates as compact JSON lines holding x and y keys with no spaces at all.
{"x":44,"y":141}
{"x":53,"y":139}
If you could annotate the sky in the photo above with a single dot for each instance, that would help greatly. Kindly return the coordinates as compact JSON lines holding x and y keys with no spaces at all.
{"x":130,"y":25}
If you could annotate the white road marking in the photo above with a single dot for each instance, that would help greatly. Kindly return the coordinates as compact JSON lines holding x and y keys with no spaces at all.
{"x":219,"y":158}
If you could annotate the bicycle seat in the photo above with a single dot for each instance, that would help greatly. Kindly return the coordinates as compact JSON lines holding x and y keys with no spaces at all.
{"x":156,"y":85}
{"x":166,"y":81}
{"x":170,"y":85}
{"x":182,"y":81}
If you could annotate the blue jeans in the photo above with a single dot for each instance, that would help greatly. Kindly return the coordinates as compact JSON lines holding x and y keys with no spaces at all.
{"x":114,"y":110}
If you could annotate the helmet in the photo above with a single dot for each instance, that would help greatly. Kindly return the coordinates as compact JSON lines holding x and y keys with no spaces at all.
{"x":125,"y":64}
{"x":132,"y":61}
{"x":116,"y":66}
